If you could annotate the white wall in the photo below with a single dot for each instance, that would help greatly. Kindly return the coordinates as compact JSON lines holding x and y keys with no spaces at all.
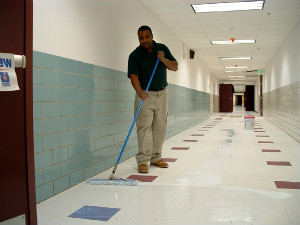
{"x":104,"y":33}
{"x":284,"y":68}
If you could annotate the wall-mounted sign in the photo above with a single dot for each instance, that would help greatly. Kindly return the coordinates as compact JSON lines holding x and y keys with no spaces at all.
{"x":260,"y":72}
{"x":8,"y":77}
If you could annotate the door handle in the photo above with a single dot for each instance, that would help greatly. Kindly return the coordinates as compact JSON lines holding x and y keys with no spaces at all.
{"x":20,"y":61}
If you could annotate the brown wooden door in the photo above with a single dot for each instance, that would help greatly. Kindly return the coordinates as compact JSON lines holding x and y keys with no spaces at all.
{"x":226,"y":102}
{"x":17,"y":189}
{"x":249,"y":98}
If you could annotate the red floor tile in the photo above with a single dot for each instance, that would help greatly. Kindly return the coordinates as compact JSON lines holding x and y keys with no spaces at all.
{"x":190,"y":140}
{"x":142,"y":178}
{"x":277,"y":163}
{"x":287,"y":184}
{"x":180,"y":148}
{"x":270,"y":150}
{"x":268,"y":142}
{"x":169,"y":159}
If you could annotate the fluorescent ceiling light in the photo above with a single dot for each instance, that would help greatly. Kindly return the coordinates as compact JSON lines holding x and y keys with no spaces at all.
{"x":236,"y":77}
{"x":236,"y":67}
{"x":229,"y":71}
{"x":230,"y":42}
{"x":228,"y":6}
{"x":224,"y":58}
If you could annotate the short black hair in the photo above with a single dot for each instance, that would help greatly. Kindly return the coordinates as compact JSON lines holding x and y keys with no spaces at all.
{"x":144,"y":27}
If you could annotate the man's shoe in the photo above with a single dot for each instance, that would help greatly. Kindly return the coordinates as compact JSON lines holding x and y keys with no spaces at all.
{"x":143,"y":168}
{"x":160,"y":164}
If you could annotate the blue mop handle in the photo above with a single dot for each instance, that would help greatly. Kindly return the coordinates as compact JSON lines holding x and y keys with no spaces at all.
{"x":137,"y":113}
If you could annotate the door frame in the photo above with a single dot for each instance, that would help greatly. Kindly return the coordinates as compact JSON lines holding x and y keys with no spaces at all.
{"x":32,"y":213}
{"x":261,"y":94}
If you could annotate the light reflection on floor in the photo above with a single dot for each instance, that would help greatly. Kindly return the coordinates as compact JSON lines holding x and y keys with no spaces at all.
{"x":223,"y":178}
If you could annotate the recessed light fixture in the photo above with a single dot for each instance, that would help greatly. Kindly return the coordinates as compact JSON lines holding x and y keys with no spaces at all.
{"x":237,"y":67}
{"x":230,"y":42}
{"x":225,"y":58}
{"x":228,"y":6}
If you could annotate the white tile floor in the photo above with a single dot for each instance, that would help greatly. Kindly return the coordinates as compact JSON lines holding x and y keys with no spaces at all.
{"x":222,"y":179}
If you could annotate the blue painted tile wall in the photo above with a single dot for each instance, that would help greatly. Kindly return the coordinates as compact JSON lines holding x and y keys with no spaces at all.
{"x":82,"y":114}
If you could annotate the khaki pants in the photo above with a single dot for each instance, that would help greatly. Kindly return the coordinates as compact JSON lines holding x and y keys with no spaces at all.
{"x":151,"y":126}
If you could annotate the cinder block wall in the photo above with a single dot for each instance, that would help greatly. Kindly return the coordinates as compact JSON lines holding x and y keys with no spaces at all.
{"x":281,"y":107}
{"x":82,"y":114}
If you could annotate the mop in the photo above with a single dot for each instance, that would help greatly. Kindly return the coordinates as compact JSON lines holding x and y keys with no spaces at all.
{"x":112,"y":180}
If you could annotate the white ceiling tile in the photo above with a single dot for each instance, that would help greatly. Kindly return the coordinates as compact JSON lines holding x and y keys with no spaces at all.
{"x":282,"y":12}
{"x":177,"y":17}
{"x":165,"y":10}
{"x":159,"y":3}
{"x":184,"y":24}
{"x":280,"y":4}
{"x":280,"y":19}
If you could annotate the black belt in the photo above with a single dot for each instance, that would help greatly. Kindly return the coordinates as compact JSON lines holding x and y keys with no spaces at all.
{"x":159,"y":89}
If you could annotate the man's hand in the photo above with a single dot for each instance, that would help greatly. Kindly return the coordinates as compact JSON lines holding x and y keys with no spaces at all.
{"x":143,"y":95}
{"x":161,"y":55}
{"x":137,"y":87}
{"x":170,"y":65}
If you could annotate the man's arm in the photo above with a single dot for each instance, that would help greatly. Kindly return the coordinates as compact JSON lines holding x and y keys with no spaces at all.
{"x":170,"y":65}
{"x":137,"y":87}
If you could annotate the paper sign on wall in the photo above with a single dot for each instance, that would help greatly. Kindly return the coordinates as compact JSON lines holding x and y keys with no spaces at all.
{"x":8,"y":77}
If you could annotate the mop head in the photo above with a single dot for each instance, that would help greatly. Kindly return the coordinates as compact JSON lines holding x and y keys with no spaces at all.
{"x":116,"y":181}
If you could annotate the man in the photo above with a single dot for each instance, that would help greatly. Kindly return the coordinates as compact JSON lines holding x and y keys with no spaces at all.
{"x":152,"y":120}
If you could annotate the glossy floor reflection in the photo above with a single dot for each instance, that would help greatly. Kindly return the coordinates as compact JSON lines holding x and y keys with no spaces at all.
{"x":223,"y":178}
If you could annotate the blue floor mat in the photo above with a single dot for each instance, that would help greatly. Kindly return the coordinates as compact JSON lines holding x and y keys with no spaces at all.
{"x":95,"y":213}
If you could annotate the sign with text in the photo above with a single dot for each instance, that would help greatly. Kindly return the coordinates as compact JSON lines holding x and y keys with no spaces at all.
{"x":8,"y":77}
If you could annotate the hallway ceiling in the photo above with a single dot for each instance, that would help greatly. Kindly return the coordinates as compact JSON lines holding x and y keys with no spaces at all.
{"x":269,"y":27}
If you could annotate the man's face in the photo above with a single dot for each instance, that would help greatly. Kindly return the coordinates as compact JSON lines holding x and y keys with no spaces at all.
{"x":145,"y":39}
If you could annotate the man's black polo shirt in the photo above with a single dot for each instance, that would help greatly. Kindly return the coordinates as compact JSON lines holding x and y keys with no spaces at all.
{"x":142,"y":63}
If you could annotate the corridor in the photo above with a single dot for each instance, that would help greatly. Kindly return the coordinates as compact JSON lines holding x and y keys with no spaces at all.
{"x":67,"y":118}
{"x":219,"y":173}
